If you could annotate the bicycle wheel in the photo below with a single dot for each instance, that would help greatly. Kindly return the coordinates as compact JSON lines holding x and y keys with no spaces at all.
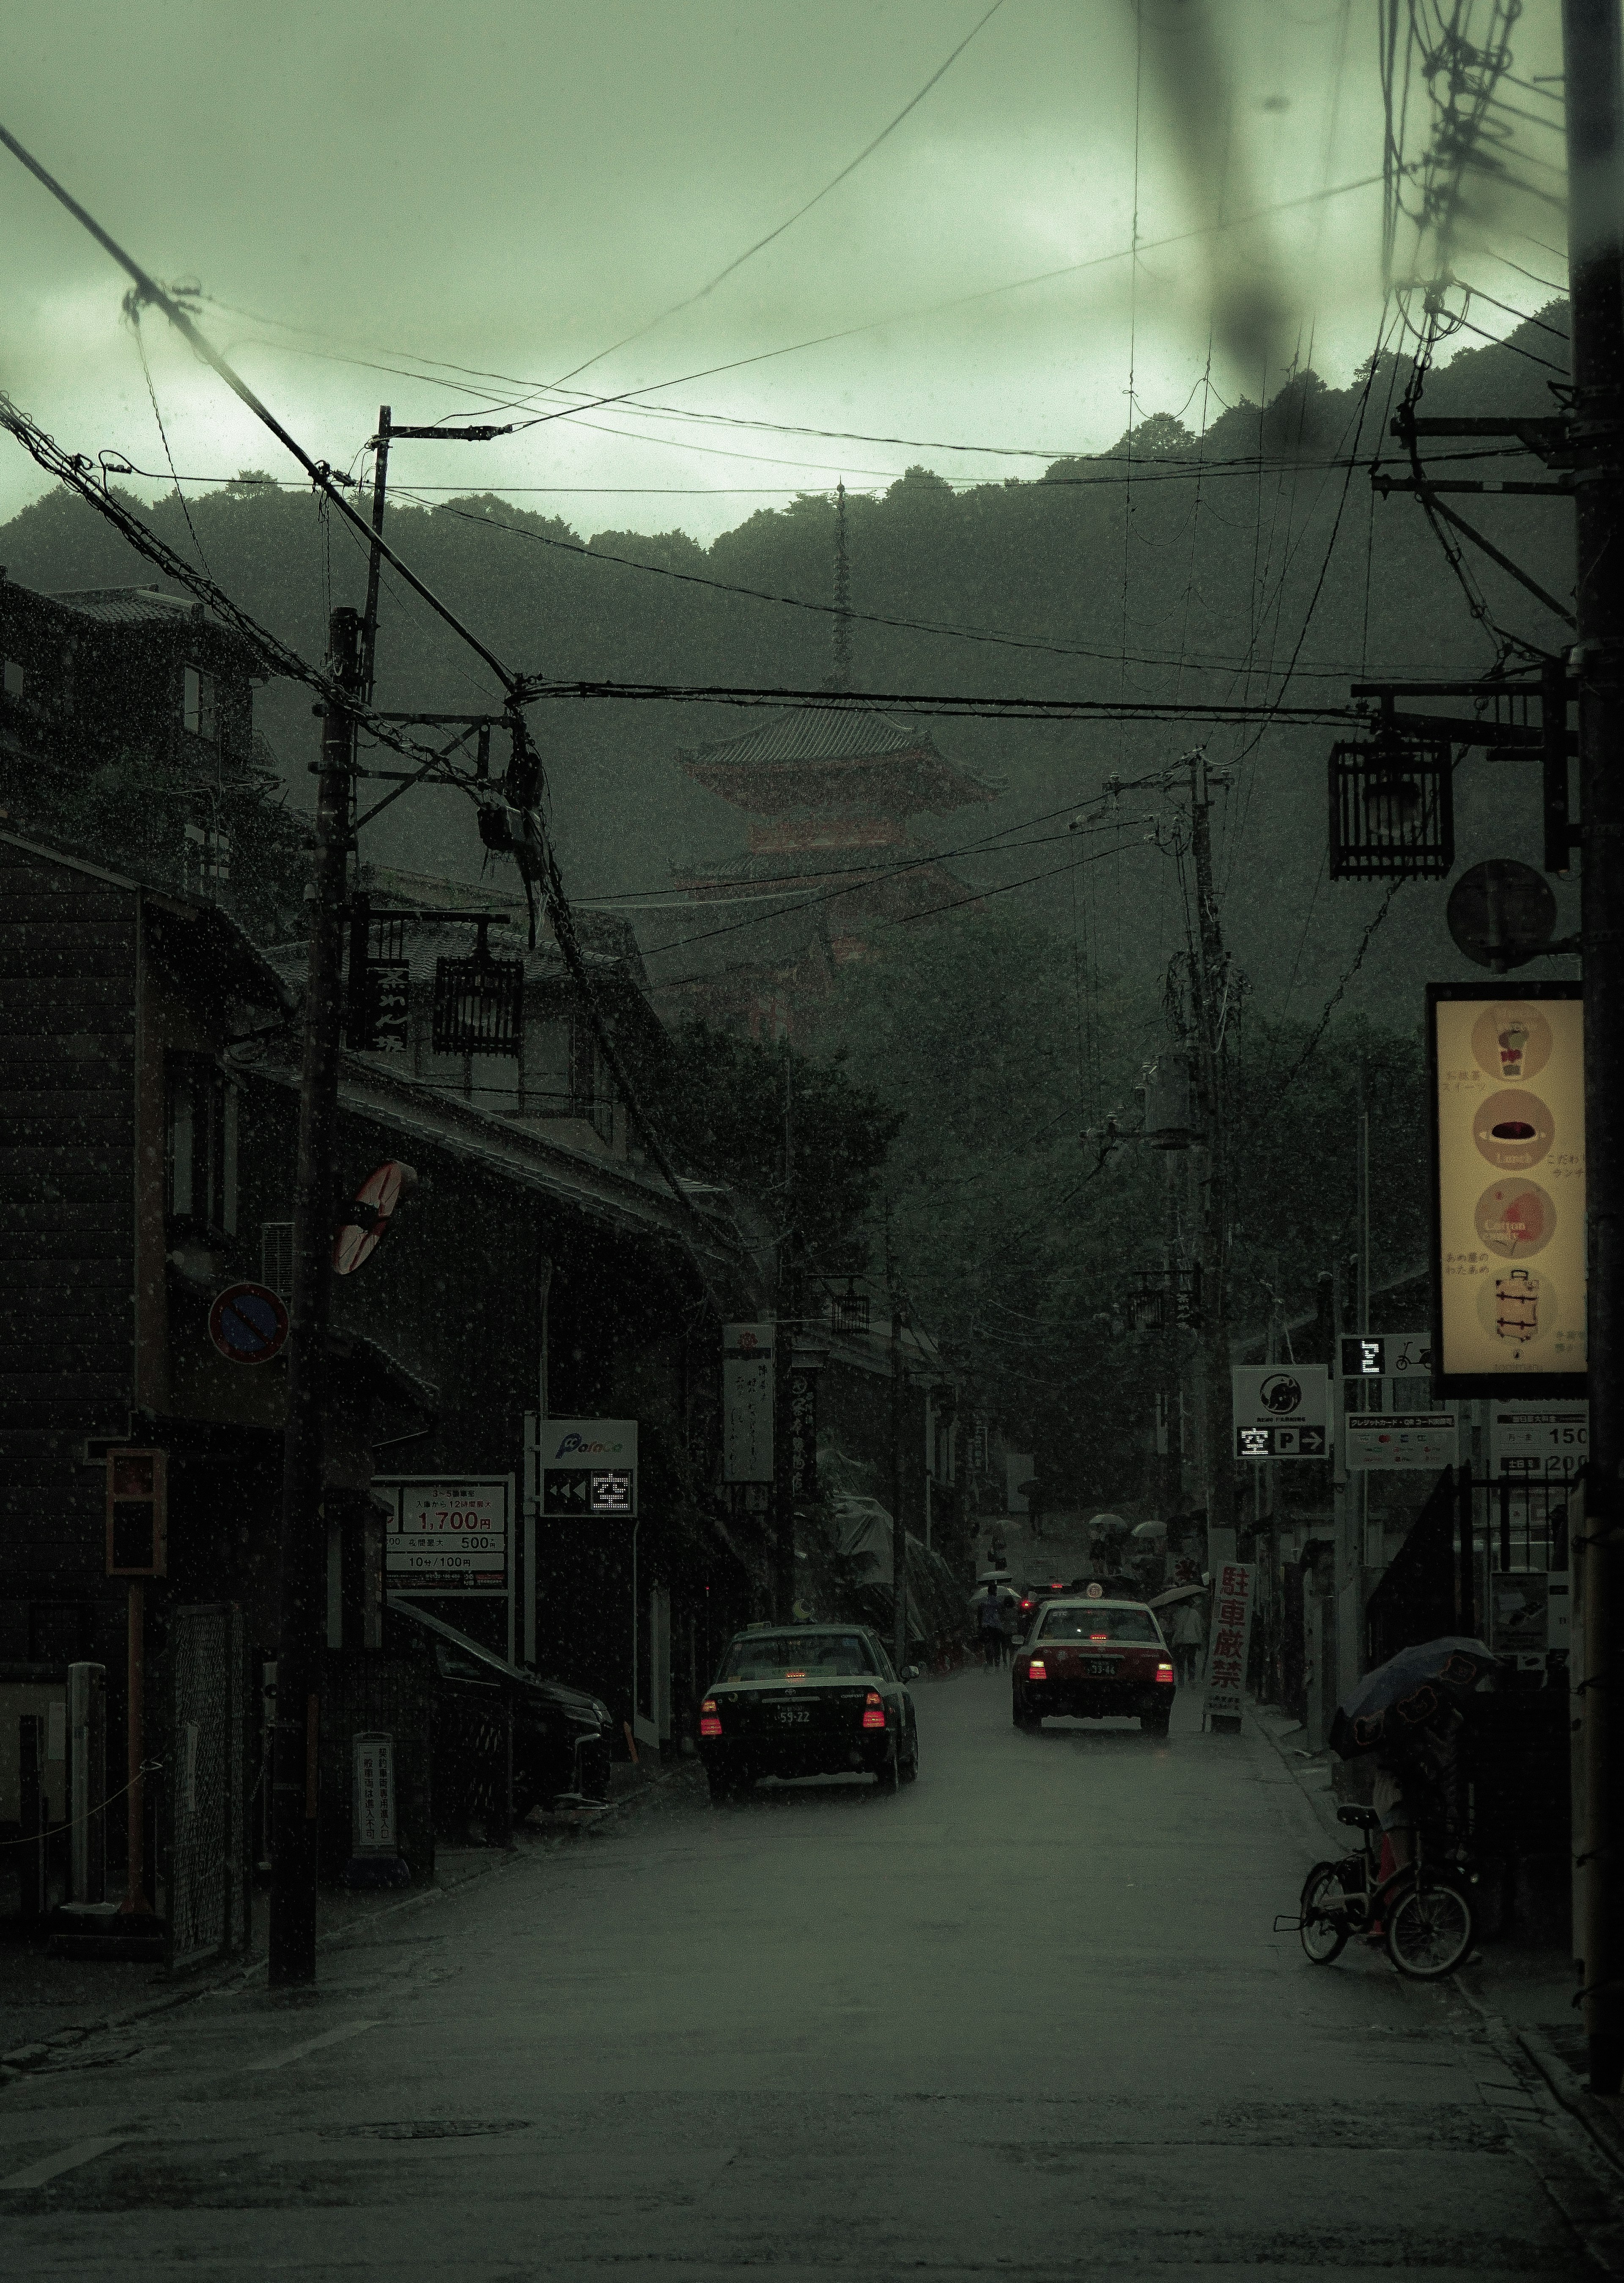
{"x":1429,"y":1930}
{"x":1323,"y":1935}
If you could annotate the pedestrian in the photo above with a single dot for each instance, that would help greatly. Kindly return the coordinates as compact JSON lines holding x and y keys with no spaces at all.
{"x":1006,"y":1627}
{"x":989,"y":1616}
{"x":1189,"y":1635}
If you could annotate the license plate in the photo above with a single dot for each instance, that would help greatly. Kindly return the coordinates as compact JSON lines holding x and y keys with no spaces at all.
{"x":1103,"y":1667}
{"x":794,"y":1714}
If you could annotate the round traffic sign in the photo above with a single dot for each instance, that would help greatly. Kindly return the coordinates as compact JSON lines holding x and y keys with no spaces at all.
{"x":248,"y":1323}
{"x":1500,"y":913}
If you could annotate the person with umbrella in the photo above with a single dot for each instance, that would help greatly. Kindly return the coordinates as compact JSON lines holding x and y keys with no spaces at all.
{"x":1407,"y":1714}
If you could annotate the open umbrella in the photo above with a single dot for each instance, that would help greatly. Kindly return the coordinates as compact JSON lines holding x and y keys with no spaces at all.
{"x":1408,"y":1690}
{"x":1176,"y":1593}
{"x":1148,"y":1530}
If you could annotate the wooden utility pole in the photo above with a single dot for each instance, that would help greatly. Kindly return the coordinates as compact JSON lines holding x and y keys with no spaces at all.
{"x":302,"y":1592}
{"x":1595,"y":106}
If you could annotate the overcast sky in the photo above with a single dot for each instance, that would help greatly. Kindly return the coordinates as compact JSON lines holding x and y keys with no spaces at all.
{"x":517,"y":186}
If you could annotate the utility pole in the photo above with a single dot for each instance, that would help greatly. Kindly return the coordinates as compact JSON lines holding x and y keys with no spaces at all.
{"x":900,"y":1521}
{"x":375,"y":560}
{"x":1595,"y":108}
{"x":1208,"y":978}
{"x":302,"y":1591}
{"x":783,"y":1384}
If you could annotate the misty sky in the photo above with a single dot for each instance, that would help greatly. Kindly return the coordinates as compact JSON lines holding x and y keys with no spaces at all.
{"x":517,"y":186}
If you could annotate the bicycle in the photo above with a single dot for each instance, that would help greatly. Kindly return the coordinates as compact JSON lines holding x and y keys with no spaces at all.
{"x":1427,"y":1917}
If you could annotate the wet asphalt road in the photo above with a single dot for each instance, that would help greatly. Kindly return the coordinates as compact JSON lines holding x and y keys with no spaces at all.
{"x":1028,"y":2018}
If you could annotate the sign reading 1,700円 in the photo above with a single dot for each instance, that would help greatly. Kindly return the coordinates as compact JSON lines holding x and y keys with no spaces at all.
{"x":448,"y":1534}
{"x":1508,"y":1188}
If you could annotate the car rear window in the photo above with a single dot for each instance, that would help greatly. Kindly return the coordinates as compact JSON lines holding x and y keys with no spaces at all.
{"x":1101,"y":1623}
{"x":793,"y":1656}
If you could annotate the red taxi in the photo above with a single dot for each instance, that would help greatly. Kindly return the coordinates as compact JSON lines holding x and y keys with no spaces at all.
{"x":1094,"y":1659}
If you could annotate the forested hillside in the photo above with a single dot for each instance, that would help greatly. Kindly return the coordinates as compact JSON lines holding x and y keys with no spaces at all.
{"x":1251,"y":548}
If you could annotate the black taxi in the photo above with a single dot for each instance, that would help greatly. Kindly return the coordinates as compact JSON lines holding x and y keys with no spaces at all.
{"x":1093,"y":1657}
{"x":807,"y":1700}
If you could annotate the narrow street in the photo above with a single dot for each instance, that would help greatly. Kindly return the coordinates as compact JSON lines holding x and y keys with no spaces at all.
{"x":1028,"y":2017}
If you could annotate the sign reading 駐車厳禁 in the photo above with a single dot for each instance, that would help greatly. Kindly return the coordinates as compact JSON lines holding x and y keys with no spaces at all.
{"x":587,"y":1469}
{"x":747,"y":1402}
{"x":1232,"y":1636}
{"x":448,"y":1533}
{"x":1282,"y":1411}
{"x":1507,"y":1085}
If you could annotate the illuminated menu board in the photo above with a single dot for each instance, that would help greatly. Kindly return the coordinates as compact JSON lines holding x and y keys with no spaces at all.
{"x":1508,"y":1188}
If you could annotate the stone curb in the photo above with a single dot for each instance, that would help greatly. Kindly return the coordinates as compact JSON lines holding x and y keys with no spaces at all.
{"x":1598,"y":2119}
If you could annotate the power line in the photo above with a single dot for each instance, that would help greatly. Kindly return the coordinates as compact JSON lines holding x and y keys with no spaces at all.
{"x":834,"y":184}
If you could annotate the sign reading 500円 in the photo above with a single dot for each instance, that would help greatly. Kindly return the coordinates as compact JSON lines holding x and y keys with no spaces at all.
{"x":1508,"y":1190}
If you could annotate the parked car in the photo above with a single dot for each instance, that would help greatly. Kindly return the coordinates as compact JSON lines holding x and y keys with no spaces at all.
{"x":562,"y":1736}
{"x":807,"y":1701}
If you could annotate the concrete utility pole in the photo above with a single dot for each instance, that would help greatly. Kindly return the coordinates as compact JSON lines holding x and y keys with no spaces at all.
{"x":1208,"y":966}
{"x":787,"y":1307}
{"x":1594,"y":104}
{"x":303,"y":1584}
{"x":900,"y":1521}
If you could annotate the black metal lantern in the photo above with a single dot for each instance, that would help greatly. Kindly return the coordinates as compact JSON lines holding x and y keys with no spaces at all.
{"x":479,"y":1004}
{"x":1392,"y":809}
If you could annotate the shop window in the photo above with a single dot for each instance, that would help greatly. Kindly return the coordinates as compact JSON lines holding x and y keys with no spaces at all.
{"x":201,"y":1151}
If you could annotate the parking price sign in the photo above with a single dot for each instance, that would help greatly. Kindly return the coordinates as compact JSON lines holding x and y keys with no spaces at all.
{"x":1282,"y":1411}
{"x":448,"y":1534}
{"x":1538,"y":1438}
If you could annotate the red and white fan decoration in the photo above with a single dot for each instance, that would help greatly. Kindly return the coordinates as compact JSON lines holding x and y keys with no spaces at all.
{"x":361,"y":1228}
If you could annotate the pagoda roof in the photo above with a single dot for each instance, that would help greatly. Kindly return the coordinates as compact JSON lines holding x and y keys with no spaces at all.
{"x":812,"y":757}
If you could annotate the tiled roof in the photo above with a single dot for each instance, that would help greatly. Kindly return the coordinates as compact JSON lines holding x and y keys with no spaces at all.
{"x":841,"y":734}
{"x":128,"y":606}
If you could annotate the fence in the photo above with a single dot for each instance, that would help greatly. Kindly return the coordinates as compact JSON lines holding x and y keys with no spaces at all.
{"x":204,"y":1845}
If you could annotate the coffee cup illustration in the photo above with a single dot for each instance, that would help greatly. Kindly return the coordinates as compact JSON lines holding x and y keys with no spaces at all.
{"x":1512,"y":1042}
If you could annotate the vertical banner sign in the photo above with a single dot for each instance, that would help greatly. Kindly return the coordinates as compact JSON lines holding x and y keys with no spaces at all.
{"x":747,"y":1403}
{"x":1232,"y":1636}
{"x":1508,"y":1189}
{"x":373,"y":1813}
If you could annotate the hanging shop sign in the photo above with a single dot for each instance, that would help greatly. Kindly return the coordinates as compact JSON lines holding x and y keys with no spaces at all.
{"x":1374,"y":1441}
{"x":448,"y":1533}
{"x":1538,"y":1438}
{"x":589,"y":1470}
{"x":1282,"y":1411}
{"x":1507,"y":1086}
{"x":747,"y":1402}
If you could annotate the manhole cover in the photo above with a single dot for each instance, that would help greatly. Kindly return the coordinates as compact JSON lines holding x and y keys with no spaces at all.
{"x":426,"y":2127}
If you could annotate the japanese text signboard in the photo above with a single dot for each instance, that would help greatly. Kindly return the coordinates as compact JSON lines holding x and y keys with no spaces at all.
{"x":1231,"y":1635}
{"x":589,"y":1470}
{"x":1282,"y":1411}
{"x":448,"y":1534}
{"x":1538,"y":1438}
{"x":747,"y":1403}
{"x":1508,"y":1188}
{"x":1373,"y":1440}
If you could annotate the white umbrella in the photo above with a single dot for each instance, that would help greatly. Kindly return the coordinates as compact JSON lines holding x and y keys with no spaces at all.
{"x":1150,"y":1529}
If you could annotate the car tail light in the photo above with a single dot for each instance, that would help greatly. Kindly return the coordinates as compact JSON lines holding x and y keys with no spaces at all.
{"x":1037,"y":1669}
{"x":710,"y":1719}
{"x":1164,"y":1672}
{"x":874,"y":1709}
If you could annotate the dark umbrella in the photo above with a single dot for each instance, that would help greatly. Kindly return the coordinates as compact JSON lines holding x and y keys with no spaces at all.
{"x":1406,"y":1691}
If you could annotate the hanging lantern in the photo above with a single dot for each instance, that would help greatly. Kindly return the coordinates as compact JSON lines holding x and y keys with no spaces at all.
{"x":1392,"y":809}
{"x":479,"y":1004}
